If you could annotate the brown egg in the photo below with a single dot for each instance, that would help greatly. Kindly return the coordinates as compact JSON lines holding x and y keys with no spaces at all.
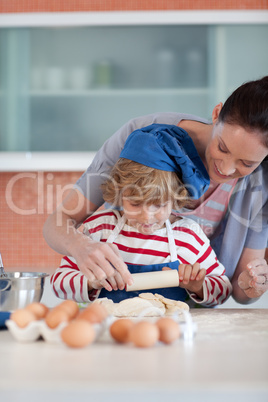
{"x":95,"y":313}
{"x":22,"y":317}
{"x":144,"y":334}
{"x":78,"y":334}
{"x":55,"y":317}
{"x":169,"y":330}
{"x":39,"y":309}
{"x":120,"y":329}
{"x":71,"y":308}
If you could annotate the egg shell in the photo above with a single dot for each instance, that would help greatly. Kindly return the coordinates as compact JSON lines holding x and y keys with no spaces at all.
{"x":78,"y":334}
{"x":144,"y":334}
{"x":22,"y":317}
{"x":169,"y":330}
{"x":39,"y":309}
{"x":95,"y":313}
{"x":55,"y":317}
{"x":71,"y":308}
{"x":120,"y":329}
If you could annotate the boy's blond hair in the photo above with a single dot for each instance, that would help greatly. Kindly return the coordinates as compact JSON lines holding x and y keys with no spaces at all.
{"x":143,"y":184}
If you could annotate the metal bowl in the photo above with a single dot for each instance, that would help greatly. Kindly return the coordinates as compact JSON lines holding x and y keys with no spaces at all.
{"x":18,"y":289}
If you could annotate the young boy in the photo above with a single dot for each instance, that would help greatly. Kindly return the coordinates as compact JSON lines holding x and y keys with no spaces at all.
{"x":147,"y":183}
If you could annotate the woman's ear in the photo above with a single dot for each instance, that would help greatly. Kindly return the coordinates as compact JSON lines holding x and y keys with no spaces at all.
{"x":216,"y":112}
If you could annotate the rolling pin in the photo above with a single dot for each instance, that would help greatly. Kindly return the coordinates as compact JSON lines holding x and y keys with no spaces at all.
{"x":154,"y":280}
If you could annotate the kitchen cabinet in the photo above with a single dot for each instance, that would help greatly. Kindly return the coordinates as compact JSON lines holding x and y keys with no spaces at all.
{"x":70,"y":88}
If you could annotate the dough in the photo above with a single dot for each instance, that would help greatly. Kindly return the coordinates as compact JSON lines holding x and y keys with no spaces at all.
{"x":136,"y":306}
{"x":172,"y":306}
{"x":108,"y":304}
{"x":146,"y":304}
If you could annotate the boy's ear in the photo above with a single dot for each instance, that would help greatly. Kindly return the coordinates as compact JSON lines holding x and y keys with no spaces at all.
{"x":216,"y":112}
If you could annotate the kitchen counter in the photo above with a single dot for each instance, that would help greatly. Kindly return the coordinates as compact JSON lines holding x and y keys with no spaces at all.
{"x":226,"y":361}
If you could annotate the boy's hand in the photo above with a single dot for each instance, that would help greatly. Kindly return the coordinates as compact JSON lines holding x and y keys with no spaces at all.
{"x":192,"y":278}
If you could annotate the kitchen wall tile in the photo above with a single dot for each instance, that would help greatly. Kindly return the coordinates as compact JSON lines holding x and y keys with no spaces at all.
{"x":13,"y":6}
{"x":26,"y":201}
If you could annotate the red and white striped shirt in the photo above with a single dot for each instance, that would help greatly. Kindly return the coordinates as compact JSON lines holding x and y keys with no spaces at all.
{"x":191,"y":243}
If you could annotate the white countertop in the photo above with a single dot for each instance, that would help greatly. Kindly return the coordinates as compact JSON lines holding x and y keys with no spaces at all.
{"x":226,"y":361}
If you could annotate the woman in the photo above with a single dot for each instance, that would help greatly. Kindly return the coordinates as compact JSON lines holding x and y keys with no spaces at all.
{"x":233,"y":211}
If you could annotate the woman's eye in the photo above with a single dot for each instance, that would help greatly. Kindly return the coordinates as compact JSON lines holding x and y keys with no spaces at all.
{"x":221,"y":149}
{"x":247,"y":166}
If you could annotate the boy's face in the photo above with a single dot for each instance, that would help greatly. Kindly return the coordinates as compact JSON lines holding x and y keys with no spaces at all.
{"x":146,"y":218}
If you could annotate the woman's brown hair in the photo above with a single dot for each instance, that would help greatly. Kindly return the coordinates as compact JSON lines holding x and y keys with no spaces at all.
{"x":247,"y":107}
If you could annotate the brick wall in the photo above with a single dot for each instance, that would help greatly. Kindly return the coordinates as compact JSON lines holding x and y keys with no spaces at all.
{"x":26,"y":200}
{"x":14,"y":6}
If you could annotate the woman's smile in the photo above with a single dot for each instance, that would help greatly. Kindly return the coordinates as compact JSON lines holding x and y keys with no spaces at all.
{"x":221,"y":174}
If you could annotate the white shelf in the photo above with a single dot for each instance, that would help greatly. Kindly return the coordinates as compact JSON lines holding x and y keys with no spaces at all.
{"x":117,"y":18}
{"x":45,"y":161}
{"x":125,"y":92}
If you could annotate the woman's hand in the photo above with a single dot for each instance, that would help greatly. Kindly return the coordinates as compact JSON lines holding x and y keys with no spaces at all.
{"x":254,"y":280}
{"x":101,"y":263}
{"x":97,"y":261}
{"x":112,"y":283}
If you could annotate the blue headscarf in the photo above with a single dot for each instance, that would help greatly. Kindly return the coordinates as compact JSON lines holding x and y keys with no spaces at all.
{"x":170,"y":148}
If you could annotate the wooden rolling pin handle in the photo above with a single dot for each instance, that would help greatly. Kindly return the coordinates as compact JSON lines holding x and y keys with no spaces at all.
{"x":154,"y":280}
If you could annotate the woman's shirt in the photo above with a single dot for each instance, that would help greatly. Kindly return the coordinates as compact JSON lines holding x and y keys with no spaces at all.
{"x":211,"y":211}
